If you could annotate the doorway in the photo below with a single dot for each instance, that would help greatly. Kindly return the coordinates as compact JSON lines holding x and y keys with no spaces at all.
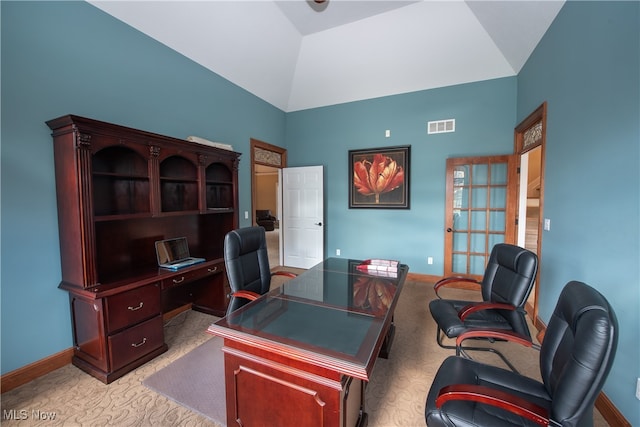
{"x":530,"y":136}
{"x":266,"y":160}
{"x":267,"y":194}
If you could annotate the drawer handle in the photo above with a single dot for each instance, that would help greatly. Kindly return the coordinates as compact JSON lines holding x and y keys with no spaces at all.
{"x":180,"y":280}
{"x":136,"y":308}
{"x":212,"y":270}
{"x":140,"y":344}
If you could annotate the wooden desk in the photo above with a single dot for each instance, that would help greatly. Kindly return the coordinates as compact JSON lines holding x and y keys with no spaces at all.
{"x":118,"y":326}
{"x":301,"y":354}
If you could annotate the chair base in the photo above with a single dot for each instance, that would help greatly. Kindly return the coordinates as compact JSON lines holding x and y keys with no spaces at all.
{"x":463,"y":350}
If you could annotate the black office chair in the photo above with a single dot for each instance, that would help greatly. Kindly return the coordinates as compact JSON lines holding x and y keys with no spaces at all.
{"x":575,"y":358}
{"x":506,"y":285}
{"x":247,"y":262}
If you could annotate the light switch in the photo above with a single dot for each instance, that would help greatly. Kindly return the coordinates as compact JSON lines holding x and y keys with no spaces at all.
{"x":547,"y":224}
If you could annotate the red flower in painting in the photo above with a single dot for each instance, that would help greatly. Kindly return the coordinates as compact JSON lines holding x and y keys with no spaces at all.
{"x":373,"y":295}
{"x":381,"y":175}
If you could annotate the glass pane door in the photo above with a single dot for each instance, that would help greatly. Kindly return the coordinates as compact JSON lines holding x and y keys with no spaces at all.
{"x":480,"y":212}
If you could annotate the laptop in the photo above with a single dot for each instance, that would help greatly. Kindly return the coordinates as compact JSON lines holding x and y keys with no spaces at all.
{"x":174,"y":254}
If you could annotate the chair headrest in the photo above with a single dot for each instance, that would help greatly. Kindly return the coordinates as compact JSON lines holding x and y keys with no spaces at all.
{"x":510,"y":256}
{"x":577,"y":299}
{"x":245,"y":240}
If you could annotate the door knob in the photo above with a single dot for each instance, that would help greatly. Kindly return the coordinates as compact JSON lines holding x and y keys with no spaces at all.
{"x":318,"y":223}
{"x":449,"y":230}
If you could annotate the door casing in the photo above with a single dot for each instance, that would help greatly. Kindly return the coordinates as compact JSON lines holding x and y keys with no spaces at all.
{"x":539,"y":115}
{"x":277,"y":158}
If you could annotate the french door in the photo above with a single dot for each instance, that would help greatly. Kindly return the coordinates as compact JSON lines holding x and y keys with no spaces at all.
{"x":481,"y":200}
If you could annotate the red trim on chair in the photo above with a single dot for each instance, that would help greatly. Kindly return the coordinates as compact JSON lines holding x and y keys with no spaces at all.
{"x":454,"y":279}
{"x":497,"y":398}
{"x":494,"y":333}
{"x":251,"y":296}
{"x":284,"y":273}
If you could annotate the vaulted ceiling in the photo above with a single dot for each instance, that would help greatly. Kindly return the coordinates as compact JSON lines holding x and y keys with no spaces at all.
{"x":296,"y":57}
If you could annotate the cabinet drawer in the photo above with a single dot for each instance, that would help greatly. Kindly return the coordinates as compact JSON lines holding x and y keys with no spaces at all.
{"x":131,"y":307}
{"x":191,"y":275}
{"x":133,"y":343}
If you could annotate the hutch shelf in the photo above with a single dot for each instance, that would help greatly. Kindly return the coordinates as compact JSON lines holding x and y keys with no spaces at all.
{"x":119,"y":190}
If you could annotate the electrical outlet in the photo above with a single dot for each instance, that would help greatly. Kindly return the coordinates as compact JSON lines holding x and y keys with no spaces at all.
{"x":429,"y":260}
{"x":337,"y":252}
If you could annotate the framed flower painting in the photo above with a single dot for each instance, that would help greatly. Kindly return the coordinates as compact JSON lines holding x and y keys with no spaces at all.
{"x":379,"y":178}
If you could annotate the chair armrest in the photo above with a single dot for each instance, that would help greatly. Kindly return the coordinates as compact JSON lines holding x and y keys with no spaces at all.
{"x":479,"y":306}
{"x":453,"y":279}
{"x":246,"y":294}
{"x":284,"y":273}
{"x":497,"y":398}
{"x":497,"y":334}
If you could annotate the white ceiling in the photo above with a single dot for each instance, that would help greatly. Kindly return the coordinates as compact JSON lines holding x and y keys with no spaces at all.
{"x":296,"y":58}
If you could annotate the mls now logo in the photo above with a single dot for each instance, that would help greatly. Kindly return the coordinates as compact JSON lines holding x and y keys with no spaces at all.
{"x":15,"y":414}
{"x":23,"y":414}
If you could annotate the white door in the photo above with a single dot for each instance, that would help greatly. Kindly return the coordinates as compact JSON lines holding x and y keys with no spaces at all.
{"x":303,"y":216}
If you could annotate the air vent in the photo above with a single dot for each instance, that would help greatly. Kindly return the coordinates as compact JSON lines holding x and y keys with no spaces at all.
{"x":441,"y":126}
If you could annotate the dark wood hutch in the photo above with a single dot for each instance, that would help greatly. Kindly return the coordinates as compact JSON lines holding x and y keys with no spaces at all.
{"x":119,"y":190}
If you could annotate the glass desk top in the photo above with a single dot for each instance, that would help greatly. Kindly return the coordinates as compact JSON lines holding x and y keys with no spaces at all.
{"x":331,"y":313}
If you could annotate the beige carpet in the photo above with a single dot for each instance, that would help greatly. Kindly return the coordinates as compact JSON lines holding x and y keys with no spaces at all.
{"x":77,"y":399}
{"x":394,"y":397}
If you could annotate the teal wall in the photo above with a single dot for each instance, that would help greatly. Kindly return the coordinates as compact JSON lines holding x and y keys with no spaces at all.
{"x":485,"y":117}
{"x":60,"y":58}
{"x":71,"y":58}
{"x":587,"y":69}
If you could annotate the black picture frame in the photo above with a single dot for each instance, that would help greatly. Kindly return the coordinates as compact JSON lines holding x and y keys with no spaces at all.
{"x":390,"y":190}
